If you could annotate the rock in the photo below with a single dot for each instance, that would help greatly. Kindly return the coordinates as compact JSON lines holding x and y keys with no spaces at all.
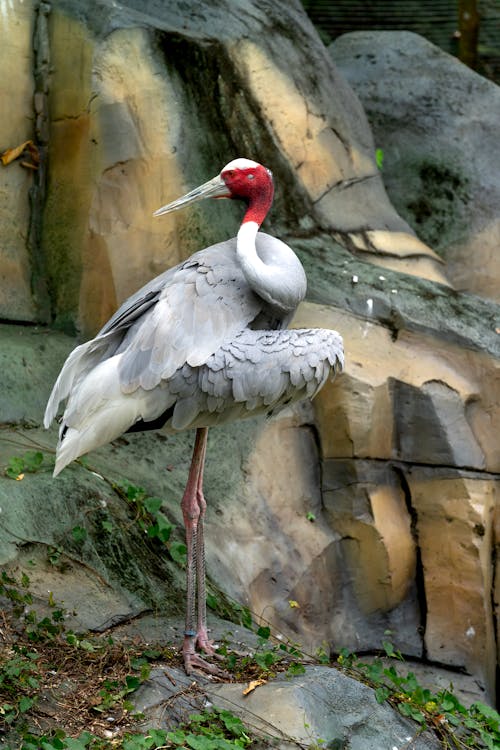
{"x":16,"y":299}
{"x":30,"y":359}
{"x":429,"y":114}
{"x":321,"y":706}
{"x":454,"y":524}
{"x":121,"y":145}
{"x":407,"y":399}
{"x":329,"y":521}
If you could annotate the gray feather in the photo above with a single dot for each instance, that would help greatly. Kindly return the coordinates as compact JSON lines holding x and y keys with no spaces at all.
{"x":197,"y":340}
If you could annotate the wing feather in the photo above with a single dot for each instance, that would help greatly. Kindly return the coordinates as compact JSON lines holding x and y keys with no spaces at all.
{"x":167,"y":323}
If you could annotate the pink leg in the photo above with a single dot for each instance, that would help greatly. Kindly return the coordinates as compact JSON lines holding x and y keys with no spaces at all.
{"x":193,"y":510}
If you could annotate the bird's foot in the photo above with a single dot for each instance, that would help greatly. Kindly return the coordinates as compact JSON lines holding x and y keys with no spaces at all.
{"x":193,"y":660}
{"x":204,"y":643}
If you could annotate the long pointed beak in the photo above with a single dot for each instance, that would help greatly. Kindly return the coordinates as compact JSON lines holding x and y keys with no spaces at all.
{"x":215,"y":188}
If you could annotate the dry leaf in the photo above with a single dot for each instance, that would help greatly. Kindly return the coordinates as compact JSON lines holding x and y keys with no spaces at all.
{"x":252,"y":685}
{"x":19,"y":477}
{"x":13,"y":153}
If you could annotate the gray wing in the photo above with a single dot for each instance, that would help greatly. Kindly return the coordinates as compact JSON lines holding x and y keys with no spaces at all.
{"x":258,"y":372}
{"x":183,"y":315}
{"x":204,"y":305}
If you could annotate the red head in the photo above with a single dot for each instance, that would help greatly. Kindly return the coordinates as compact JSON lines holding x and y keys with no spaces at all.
{"x":251,"y":182}
{"x":241,"y":179}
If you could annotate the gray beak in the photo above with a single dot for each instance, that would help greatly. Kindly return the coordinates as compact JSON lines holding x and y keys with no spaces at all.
{"x":215,"y":188}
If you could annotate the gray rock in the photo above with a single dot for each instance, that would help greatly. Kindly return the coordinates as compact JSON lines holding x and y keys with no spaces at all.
{"x":321,"y":706}
{"x":437,"y":124}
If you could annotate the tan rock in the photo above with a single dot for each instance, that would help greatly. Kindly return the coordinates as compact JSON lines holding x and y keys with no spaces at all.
{"x":472,"y":263}
{"x":455,"y":529}
{"x":407,"y":399}
{"x":113,"y":140}
{"x":16,"y":126}
{"x":326,"y":138}
{"x":123,"y":124}
{"x":274,"y":553}
{"x":496,"y":574}
{"x":366,"y":506}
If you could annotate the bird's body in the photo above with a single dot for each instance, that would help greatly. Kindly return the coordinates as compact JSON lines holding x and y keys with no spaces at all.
{"x":202,"y":344}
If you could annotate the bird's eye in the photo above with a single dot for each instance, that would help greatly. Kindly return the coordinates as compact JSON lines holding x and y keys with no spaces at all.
{"x":250,"y":176}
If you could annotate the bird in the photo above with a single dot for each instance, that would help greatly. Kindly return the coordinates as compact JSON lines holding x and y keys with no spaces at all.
{"x":204,"y":343}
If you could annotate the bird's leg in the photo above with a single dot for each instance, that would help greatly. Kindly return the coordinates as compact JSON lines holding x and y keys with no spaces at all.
{"x":193,"y":510}
{"x":202,"y":640}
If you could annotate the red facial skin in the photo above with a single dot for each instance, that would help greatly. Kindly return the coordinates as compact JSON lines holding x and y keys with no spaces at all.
{"x":254,"y":186}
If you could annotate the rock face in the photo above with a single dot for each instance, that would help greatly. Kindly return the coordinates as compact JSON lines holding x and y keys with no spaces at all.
{"x":127,"y":114}
{"x":375,"y":508}
{"x":429,"y":114}
{"x":321,"y":706}
{"x":16,"y":301}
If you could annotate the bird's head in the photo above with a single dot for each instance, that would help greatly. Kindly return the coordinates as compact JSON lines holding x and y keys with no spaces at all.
{"x":241,"y":179}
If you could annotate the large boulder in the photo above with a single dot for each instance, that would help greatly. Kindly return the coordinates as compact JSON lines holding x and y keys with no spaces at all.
{"x":373,"y":509}
{"x":16,"y":127}
{"x":131,"y":127}
{"x":437,"y":124}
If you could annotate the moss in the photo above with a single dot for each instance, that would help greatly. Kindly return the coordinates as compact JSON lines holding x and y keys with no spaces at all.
{"x":434,"y":201}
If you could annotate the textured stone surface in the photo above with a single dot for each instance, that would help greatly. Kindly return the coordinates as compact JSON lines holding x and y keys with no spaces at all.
{"x":343,"y":507}
{"x":437,"y":123}
{"x":454,"y":512}
{"x":322,"y":705}
{"x":408,"y":399}
{"x":16,"y":126}
{"x":121,"y":142}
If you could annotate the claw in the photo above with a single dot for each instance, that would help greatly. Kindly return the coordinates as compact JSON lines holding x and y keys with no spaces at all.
{"x":192,"y":659}
{"x":204,"y":643}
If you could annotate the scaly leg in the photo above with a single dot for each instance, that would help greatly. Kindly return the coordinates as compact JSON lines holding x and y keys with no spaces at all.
{"x":193,"y":510}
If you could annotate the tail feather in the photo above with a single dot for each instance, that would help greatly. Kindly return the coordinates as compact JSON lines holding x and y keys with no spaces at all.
{"x":81,"y":360}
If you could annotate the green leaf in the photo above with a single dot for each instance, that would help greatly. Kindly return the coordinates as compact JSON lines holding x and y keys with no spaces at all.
{"x":178,"y":552}
{"x":153,"y":505}
{"x":161,"y":529}
{"x":79,"y":534}
{"x":406,"y":709}
{"x":177,"y":737}
{"x":233,"y":723}
{"x":132,"y":683}
{"x":265,"y":659}
{"x":25,"y":704}
{"x":15,"y":467}
{"x":379,"y":158}
{"x":78,"y":743}
{"x":295,"y":669}
{"x":54,"y":744}
{"x":33,"y":460}
{"x":381,"y":694}
{"x":264,"y":632}
{"x":449,"y":703}
{"x":246,"y":618}
{"x":158,"y":737}
{"x":212,"y":601}
{"x":87,"y":645}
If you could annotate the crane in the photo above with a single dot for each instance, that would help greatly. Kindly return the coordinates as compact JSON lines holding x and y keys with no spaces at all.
{"x":204,"y":343}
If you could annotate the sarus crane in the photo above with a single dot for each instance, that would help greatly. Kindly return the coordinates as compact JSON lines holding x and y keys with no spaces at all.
{"x":204,"y":343}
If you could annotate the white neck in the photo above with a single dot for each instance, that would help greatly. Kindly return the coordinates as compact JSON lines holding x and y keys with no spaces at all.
{"x":282,"y":285}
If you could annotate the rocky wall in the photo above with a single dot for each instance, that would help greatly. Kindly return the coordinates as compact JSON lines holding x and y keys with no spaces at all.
{"x":376,"y":508}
